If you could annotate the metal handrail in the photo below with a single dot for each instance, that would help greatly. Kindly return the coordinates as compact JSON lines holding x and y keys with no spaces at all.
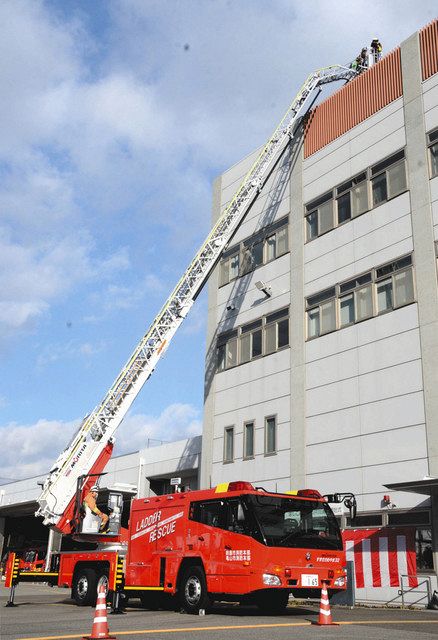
{"x":403,"y":591}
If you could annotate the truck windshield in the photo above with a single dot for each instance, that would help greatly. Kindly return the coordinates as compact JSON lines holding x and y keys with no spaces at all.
{"x":289,"y":522}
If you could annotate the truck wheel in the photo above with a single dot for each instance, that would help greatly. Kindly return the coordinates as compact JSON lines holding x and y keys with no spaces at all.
{"x":193,"y":590}
{"x":84,"y":588}
{"x":272,"y":602}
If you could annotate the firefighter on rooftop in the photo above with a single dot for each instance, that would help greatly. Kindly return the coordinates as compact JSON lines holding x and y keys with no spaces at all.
{"x":376,"y":49}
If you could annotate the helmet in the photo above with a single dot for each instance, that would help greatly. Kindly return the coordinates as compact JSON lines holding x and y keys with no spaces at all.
{"x":94,"y":488}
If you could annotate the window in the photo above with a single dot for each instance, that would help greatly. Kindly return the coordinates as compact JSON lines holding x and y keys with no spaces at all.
{"x":248,"y":440}
{"x":319,"y":218}
{"x":409,"y":517}
{"x":266,"y":245}
{"x":270,"y":435}
{"x":277,"y":331}
{"x":388,"y":178}
{"x":253,"y":340}
{"x":212,"y":513}
{"x":277,"y":244}
{"x":252,"y":256}
{"x":380,"y":290}
{"x":433,"y":152}
{"x":229,"y":444}
{"x":366,"y":520}
{"x":294,"y":523}
{"x":250,"y":341}
{"x":236,"y":520}
{"x":227,"y":350}
{"x":229,"y":269}
{"x":321,"y":313}
{"x":358,"y":303}
{"x":395,"y":285}
{"x":423,"y":547}
{"x":350,"y":199}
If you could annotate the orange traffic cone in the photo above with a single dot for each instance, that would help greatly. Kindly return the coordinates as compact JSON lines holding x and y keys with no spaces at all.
{"x":325,"y":616}
{"x":100,"y":629}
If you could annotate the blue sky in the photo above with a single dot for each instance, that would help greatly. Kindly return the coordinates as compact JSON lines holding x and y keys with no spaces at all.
{"x":115,"y":118}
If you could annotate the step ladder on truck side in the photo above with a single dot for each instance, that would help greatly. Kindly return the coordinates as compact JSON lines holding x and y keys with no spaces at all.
{"x":91,"y":447}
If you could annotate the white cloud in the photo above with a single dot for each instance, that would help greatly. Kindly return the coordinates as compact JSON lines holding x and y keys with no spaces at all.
{"x":52,"y":353}
{"x":177,"y":421}
{"x":30,"y":449}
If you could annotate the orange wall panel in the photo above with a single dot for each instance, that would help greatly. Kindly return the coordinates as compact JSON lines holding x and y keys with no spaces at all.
{"x":353,"y":103}
{"x":429,"y":49}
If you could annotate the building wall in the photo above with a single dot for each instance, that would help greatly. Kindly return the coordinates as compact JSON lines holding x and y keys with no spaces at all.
{"x":351,"y":404}
{"x":364,"y":388}
{"x":260,"y":388}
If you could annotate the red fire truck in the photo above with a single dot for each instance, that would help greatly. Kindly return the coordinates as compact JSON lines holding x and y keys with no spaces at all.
{"x":234,"y":542}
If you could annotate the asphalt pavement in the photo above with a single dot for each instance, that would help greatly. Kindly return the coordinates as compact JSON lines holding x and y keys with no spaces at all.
{"x":44,"y":613}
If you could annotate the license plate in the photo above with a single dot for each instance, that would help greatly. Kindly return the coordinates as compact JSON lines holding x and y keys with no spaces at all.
{"x":309,"y":580}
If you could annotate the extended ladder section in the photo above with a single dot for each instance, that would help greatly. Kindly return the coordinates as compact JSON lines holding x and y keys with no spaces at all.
{"x":97,"y":429}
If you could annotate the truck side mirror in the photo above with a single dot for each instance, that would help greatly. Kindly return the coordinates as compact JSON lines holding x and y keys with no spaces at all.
{"x":351,"y":504}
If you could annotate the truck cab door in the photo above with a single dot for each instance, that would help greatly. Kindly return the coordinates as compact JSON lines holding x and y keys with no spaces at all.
{"x":238,"y":548}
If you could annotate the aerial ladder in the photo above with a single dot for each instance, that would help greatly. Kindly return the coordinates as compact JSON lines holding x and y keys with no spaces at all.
{"x":91,"y":447}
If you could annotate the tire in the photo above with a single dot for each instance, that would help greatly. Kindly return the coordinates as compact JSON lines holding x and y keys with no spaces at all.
{"x":193,"y":590}
{"x":272,"y":602}
{"x":84,"y":587}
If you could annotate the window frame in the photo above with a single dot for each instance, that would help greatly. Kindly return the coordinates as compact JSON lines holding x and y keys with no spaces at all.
{"x":371,"y":279}
{"x":386,"y":166}
{"x":397,"y":271}
{"x":245,"y":249}
{"x":227,"y":261}
{"x":432,"y":141}
{"x":275,"y":450}
{"x":348,"y":186}
{"x":253,"y":327}
{"x":259,"y":325}
{"x":246,"y":424}
{"x":276,"y":318}
{"x":229,"y":430}
{"x":331,"y":296}
{"x":314,"y":208}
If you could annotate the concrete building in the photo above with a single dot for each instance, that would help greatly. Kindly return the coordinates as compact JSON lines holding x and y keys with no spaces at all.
{"x":322,"y":360}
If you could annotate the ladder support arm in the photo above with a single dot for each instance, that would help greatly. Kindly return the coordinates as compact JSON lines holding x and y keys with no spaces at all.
{"x":85,"y":449}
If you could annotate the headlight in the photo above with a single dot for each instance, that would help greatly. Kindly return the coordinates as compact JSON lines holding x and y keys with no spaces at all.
{"x":339,"y":582}
{"x":271,"y":580}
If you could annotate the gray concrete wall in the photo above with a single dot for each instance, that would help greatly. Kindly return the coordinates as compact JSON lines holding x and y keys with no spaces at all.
{"x":297,"y":396}
{"x":420,"y":105}
{"x":364,"y":385}
{"x":210,"y":357}
{"x":261,"y":388}
{"x":430,"y":105}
